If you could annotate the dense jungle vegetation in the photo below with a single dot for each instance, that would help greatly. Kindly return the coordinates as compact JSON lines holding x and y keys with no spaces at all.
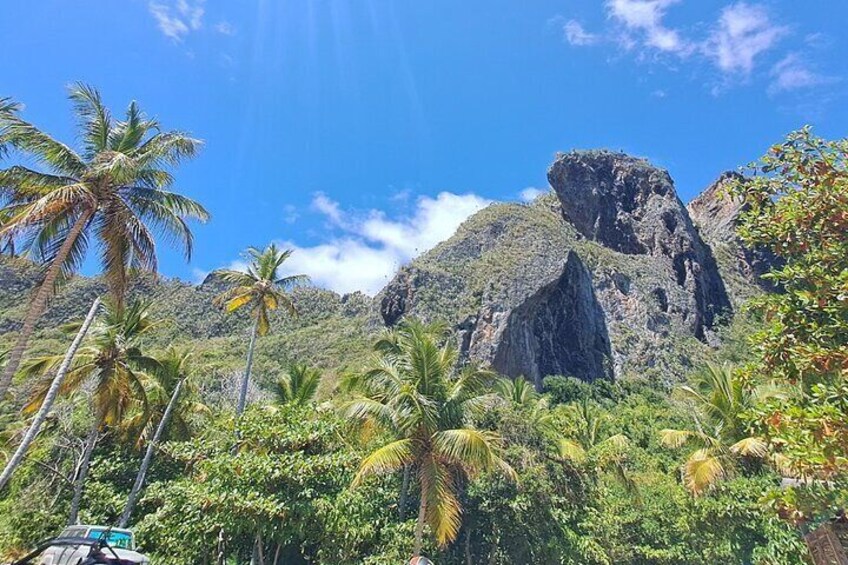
{"x":116,"y":420}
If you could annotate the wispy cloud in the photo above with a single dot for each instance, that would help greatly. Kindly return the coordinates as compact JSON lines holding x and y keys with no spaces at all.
{"x":225,"y":28}
{"x":329,"y":208}
{"x":644,"y":18}
{"x":575,"y":34}
{"x":744,"y":32}
{"x":531,"y":193}
{"x":742,"y":41}
{"x":794,"y":73}
{"x":176,"y":19}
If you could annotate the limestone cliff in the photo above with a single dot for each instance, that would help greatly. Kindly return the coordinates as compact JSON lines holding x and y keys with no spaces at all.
{"x":605,"y":277}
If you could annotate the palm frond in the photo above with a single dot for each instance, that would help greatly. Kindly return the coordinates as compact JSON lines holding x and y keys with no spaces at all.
{"x":388,"y":458}
{"x":702,"y":470}
{"x":750,"y":447}
{"x":572,"y":451}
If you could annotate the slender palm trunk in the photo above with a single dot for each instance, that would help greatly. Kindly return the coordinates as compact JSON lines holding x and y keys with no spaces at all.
{"x":245,"y":380}
{"x":49,"y":398}
{"x":82,"y":475}
{"x":404,"y":488}
{"x":39,"y":304}
{"x":148,"y":457}
{"x":419,"y":527}
{"x":277,"y":554}
{"x":258,"y":557}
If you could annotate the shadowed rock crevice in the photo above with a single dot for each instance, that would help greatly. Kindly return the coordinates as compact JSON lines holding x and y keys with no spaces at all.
{"x":559,"y":330}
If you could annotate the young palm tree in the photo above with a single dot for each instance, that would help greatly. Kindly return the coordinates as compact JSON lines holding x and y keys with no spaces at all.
{"x":588,"y":447}
{"x":521,"y":395}
{"x":261,"y":289}
{"x":171,"y":403}
{"x":719,"y":399}
{"x":415,"y":391}
{"x":113,"y":191}
{"x":113,"y":359}
{"x":298,"y":385}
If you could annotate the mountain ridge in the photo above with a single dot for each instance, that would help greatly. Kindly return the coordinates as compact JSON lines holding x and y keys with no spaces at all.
{"x":607,"y":276}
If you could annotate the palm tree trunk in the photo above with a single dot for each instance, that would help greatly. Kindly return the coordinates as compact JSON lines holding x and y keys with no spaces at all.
{"x":258,"y":557}
{"x":245,"y":380}
{"x":39,"y":304}
{"x":404,"y":487}
{"x":419,"y":527}
{"x":49,"y":398}
{"x":90,"y":443}
{"x":277,"y":554}
{"x":148,"y":457}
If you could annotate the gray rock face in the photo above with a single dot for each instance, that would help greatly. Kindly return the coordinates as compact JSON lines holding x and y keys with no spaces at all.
{"x":606,"y":277}
{"x":716,"y":215}
{"x":627,"y":205}
{"x":559,"y":330}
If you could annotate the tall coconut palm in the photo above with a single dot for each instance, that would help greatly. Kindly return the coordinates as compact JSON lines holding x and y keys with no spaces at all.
{"x":415,"y":390}
{"x":261,"y":289}
{"x":112,"y":358}
{"x":718,"y":399}
{"x":113,"y":191}
{"x":298,"y":385}
{"x":50,"y":394}
{"x":179,"y":411}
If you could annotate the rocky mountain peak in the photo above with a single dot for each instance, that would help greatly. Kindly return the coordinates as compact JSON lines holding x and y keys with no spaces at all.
{"x":615,"y":199}
{"x":628,"y":205}
{"x":714,"y":211}
{"x":606,"y":277}
{"x":716,"y":214}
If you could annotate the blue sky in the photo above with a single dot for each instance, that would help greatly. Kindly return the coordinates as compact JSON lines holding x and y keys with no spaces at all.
{"x":362,"y":132}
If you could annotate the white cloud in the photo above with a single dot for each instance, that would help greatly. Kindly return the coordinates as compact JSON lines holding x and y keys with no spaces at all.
{"x":793,"y":73}
{"x":744,"y":32}
{"x":575,"y":34}
{"x":645,"y":17}
{"x":368,"y":248}
{"x":327,"y":207}
{"x":531,"y":193}
{"x":742,"y":38}
{"x":290,"y":214}
{"x":177,"y":19}
{"x":225,"y":28}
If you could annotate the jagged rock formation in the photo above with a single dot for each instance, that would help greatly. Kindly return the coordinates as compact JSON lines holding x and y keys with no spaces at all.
{"x":629,"y":206}
{"x":559,"y":330}
{"x":607,"y":276}
{"x":716,"y":215}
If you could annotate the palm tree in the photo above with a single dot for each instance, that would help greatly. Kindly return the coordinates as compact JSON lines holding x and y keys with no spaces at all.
{"x":8,"y":109}
{"x":415,"y":391}
{"x":298,"y":385}
{"x":50,"y":395}
{"x":177,"y":411}
{"x":521,"y":394}
{"x":589,"y":447}
{"x":113,"y":191}
{"x":261,"y":289}
{"x":718,"y":399}
{"x":112,"y":357}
